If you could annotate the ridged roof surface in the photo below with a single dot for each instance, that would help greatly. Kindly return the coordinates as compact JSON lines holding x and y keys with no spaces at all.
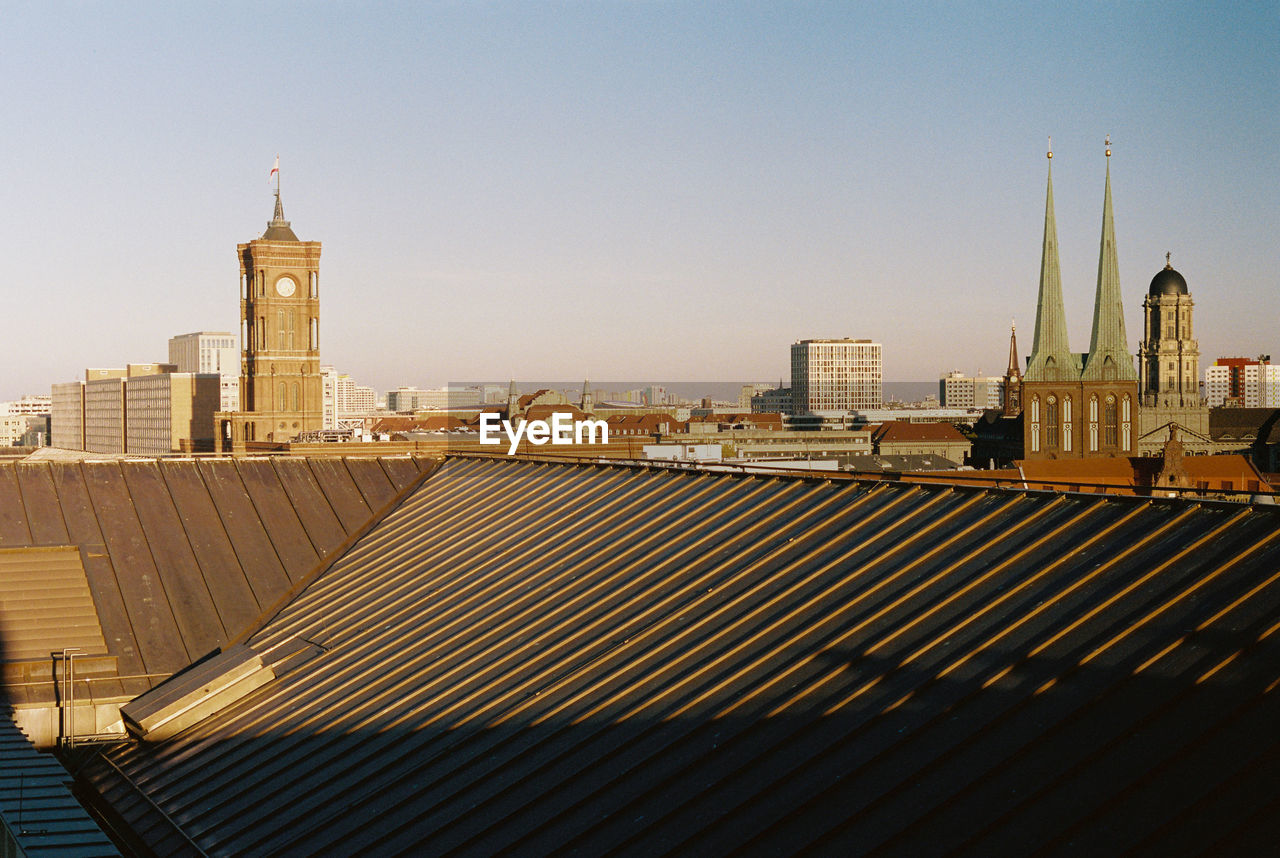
{"x":180,"y":555}
{"x":36,"y":805}
{"x":540,"y":657}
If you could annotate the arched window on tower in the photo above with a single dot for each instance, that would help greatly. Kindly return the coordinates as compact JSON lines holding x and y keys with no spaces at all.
{"x":1051,"y":422}
{"x":1035,"y":424}
{"x":286,"y":330}
{"x":297,"y":400}
{"x":1093,"y":424}
{"x":1126,"y":433}
{"x":1110,"y":423}
{"x":282,"y":403}
{"x":1066,"y":423}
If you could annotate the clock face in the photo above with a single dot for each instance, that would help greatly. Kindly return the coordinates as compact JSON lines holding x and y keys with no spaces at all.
{"x":286,"y":286}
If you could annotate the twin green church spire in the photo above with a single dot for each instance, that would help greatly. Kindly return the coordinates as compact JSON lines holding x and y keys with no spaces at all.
{"x":1108,"y":358}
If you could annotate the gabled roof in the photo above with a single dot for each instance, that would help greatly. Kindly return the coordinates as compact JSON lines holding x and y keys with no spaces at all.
{"x":546,"y":412}
{"x":904,"y":431}
{"x":536,"y":657}
{"x":1245,"y":424}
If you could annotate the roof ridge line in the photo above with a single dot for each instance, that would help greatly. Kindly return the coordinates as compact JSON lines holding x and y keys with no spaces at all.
{"x":273,"y":610}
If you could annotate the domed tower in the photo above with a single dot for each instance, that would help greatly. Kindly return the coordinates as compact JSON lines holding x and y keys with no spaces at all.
{"x":1168,"y":355}
{"x":1169,"y":368}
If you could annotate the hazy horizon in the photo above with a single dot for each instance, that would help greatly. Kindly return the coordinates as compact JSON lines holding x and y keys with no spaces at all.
{"x":622,"y":189}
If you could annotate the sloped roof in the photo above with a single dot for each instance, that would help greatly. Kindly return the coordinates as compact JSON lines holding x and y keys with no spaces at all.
{"x":1245,"y":424}
{"x":427,"y":423}
{"x":181,"y":556}
{"x":1224,"y":472}
{"x":902,"y":430}
{"x":546,"y":412}
{"x":36,"y":805}
{"x":539,"y":657}
{"x":912,"y":462}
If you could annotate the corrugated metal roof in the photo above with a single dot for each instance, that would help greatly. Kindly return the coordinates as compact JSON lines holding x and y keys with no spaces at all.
{"x":36,"y":805}
{"x":180,"y":556}
{"x":536,"y":657}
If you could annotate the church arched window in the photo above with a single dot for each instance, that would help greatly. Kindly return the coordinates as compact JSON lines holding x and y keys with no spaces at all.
{"x":1125,"y":427}
{"x":1051,"y":422}
{"x":1035,"y":424}
{"x":1093,"y":423}
{"x":1066,"y":423}
{"x":1110,"y":423}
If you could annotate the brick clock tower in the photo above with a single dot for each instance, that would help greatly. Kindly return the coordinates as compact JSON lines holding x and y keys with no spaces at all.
{"x":281,"y":390}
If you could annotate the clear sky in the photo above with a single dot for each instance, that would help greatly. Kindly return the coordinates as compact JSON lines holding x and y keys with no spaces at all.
{"x":629,"y":190}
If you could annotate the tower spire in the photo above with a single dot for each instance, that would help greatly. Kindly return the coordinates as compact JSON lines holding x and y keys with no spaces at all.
{"x":1014,"y":368}
{"x":278,"y":228}
{"x":1109,"y":358}
{"x":1011,"y":401}
{"x":1051,"y":358}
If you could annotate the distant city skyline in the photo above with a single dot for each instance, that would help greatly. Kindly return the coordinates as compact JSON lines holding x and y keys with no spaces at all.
{"x":623,"y":190}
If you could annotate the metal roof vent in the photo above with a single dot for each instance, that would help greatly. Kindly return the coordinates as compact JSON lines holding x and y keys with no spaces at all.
{"x":197,"y":692}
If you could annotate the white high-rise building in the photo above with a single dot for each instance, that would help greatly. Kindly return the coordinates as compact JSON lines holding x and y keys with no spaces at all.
{"x":343,"y":399}
{"x":210,"y":351}
{"x":957,"y":390}
{"x":30,"y":404}
{"x":836,"y":375}
{"x":1243,"y":383}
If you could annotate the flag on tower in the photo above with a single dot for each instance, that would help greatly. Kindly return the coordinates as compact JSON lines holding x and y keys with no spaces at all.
{"x":275,"y":169}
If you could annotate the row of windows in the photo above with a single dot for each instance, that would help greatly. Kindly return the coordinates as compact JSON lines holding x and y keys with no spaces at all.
{"x":260,"y":285}
{"x":259,"y":336}
{"x":282,"y":399}
{"x":1116,"y":420}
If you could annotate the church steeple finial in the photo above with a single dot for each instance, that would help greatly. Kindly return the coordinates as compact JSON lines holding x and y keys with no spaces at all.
{"x":1109,"y":358}
{"x":1051,"y":358}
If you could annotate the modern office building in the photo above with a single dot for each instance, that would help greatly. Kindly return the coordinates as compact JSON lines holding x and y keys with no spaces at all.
{"x":30,"y":404}
{"x":410,"y":399}
{"x":143,"y":409}
{"x":957,"y":390}
{"x":1238,"y":382}
{"x":343,"y":399}
{"x":210,"y":351}
{"x":171,"y":412}
{"x":66,"y":428}
{"x":836,"y":375}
